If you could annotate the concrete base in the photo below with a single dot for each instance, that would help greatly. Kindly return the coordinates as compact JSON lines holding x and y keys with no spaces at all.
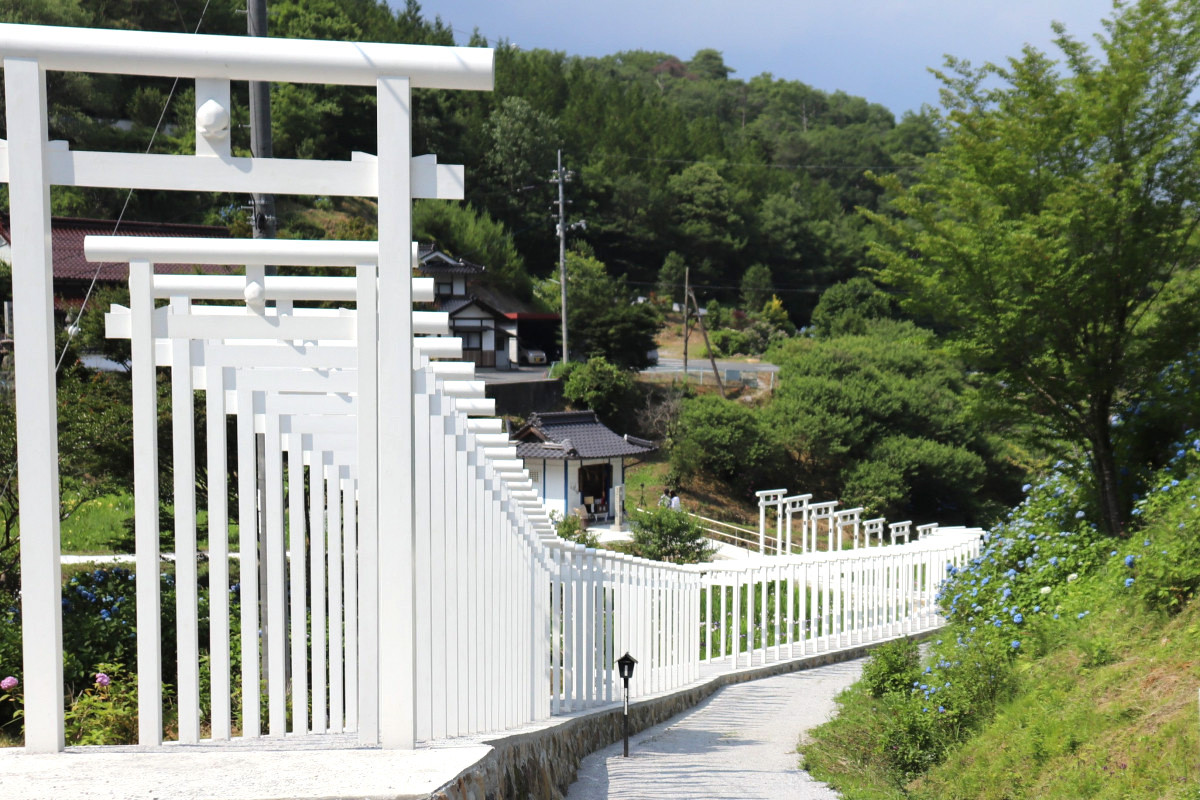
{"x":538,"y":761}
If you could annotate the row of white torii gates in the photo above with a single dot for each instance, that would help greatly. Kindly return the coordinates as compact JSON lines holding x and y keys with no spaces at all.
{"x":406,"y":557}
{"x":825,"y":516}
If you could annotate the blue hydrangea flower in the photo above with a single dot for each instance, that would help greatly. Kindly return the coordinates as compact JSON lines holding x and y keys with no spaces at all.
{"x":1128,"y":582}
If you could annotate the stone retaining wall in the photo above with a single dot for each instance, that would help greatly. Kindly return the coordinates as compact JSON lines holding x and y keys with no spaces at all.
{"x":540,"y":765}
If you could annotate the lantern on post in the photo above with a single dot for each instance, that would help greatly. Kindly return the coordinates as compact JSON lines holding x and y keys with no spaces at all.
{"x":625,"y":669}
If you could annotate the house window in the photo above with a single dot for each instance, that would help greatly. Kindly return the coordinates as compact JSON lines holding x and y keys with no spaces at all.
{"x":443,"y":288}
{"x":535,"y":475}
{"x":472,"y":340}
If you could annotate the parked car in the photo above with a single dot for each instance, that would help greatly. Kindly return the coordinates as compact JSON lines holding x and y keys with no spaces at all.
{"x":530,"y":355}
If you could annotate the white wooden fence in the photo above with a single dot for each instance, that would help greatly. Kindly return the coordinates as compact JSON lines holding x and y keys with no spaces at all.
{"x":399,"y":578}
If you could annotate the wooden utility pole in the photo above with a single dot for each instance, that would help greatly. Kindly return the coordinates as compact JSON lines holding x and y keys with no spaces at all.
{"x":561,"y":178}
{"x":686,"y":333}
{"x":711,"y":359}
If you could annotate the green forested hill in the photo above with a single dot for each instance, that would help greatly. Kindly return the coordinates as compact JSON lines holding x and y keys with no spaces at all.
{"x":669,"y":155}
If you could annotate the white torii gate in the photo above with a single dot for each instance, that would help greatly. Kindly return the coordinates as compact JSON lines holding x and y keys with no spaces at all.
{"x":31,"y":164}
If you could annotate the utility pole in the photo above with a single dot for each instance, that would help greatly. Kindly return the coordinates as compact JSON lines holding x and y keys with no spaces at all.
{"x":260,"y":124}
{"x":711,"y":358}
{"x":687,"y":273}
{"x":561,"y":179}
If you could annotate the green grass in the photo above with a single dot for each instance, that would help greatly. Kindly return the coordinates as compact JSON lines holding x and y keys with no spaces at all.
{"x":644,"y":482}
{"x":98,"y":527}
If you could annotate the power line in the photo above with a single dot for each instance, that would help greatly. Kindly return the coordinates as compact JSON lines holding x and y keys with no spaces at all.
{"x":716,"y":286}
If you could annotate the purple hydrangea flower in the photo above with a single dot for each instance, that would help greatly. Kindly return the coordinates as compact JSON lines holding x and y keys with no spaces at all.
{"x":102,"y":679}
{"x":9,"y":683}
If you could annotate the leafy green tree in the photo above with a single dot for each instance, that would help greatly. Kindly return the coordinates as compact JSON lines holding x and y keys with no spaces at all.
{"x":599,"y":385}
{"x":465,"y":232}
{"x":666,"y":535}
{"x":671,"y":277}
{"x":724,"y":439}
{"x":757,"y":287}
{"x":709,"y":225}
{"x":601,"y":319}
{"x":850,"y":308}
{"x":1055,"y":232}
{"x":883,"y":420}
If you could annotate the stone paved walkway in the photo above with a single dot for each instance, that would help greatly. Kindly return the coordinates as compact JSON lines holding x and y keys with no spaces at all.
{"x":740,"y":744}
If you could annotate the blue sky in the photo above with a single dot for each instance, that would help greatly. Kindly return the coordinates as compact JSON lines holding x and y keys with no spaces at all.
{"x":878,"y":49}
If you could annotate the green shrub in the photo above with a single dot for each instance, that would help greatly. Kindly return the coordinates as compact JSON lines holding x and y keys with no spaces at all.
{"x":1165,"y":567}
{"x":666,"y":535}
{"x":599,"y":385}
{"x":571,"y":528}
{"x":892,"y":667}
{"x":105,"y":713}
{"x":724,"y":439}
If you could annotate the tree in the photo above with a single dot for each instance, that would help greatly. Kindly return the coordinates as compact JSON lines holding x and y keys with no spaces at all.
{"x":723,"y":439}
{"x":881,"y":420}
{"x":601,"y":320}
{"x":709,"y":226}
{"x":599,"y":385}
{"x":666,"y":535}
{"x":1055,"y":232}
{"x":467,"y":233}
{"x":849,"y":308}
{"x":756,"y":287}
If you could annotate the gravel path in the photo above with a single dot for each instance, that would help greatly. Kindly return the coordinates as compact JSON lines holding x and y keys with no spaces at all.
{"x":739,"y":744}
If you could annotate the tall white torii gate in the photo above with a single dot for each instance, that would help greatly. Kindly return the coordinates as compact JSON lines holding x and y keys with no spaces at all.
{"x":30,"y":163}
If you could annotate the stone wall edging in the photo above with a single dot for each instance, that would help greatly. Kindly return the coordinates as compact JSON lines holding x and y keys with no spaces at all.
{"x":542,"y":764}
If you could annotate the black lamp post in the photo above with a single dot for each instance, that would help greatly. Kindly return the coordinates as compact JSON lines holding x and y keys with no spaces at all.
{"x":625,"y":668}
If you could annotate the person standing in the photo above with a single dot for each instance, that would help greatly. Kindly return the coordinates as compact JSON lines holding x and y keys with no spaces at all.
{"x":675,"y":505}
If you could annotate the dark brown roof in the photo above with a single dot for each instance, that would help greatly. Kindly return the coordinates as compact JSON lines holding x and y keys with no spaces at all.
{"x":574,"y":434}
{"x":67,"y":235}
{"x":434,"y":262}
{"x":453,"y":305}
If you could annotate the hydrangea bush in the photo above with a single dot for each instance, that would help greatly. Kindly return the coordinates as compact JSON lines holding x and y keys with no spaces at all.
{"x":1037,"y":580}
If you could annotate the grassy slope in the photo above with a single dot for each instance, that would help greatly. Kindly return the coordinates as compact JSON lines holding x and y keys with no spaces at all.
{"x":1102,"y":707}
{"x":1110,"y":714}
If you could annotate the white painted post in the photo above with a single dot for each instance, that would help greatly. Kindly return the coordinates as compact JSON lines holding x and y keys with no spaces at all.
{"x":350,"y":584}
{"x":396,"y":505}
{"x":778,"y":628}
{"x":367,"y":569}
{"x":248,"y":564}
{"x":218,"y":548}
{"x":146,"y":519}
{"x":297,"y":582}
{"x":276,"y":590}
{"x":723,"y":604}
{"x":37,"y":413}
{"x":737,"y":618}
{"x":337,"y":683}
{"x":183,"y":449}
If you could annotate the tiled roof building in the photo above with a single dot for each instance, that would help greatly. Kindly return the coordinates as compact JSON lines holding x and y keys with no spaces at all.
{"x":576,"y":463}
{"x":574,"y":434}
